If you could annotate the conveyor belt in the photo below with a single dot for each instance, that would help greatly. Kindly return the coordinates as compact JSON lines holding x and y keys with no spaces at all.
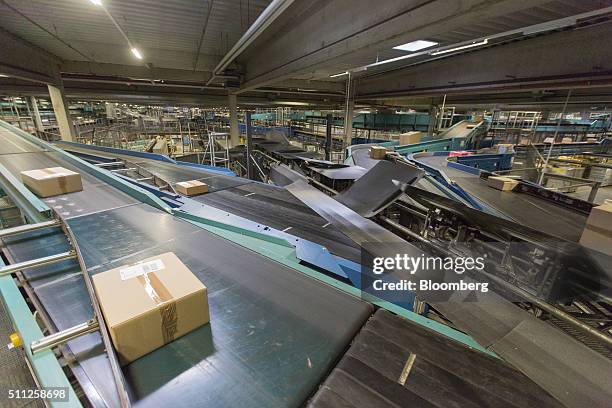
{"x":279,"y":209}
{"x":375,"y":372}
{"x":269,"y":205}
{"x":521,"y":208}
{"x":168,"y":171}
{"x":274,"y":332}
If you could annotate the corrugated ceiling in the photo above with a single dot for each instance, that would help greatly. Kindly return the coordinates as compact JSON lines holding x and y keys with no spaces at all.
{"x":167,"y":32}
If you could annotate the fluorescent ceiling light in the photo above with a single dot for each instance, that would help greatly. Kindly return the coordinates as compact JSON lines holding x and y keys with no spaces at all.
{"x":96,"y":2}
{"x":3,"y":76}
{"x":136,"y":53}
{"x":463,"y":47}
{"x":415,"y":45}
{"x":338,"y":75}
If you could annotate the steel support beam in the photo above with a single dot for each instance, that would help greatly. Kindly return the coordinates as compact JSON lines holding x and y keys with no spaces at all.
{"x":321,"y":36}
{"x":21,"y":59}
{"x":566,"y":59}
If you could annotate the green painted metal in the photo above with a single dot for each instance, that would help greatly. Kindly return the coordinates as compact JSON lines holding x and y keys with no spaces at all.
{"x":455,"y":143}
{"x":104,"y":175}
{"x":31,"y":206}
{"x":46,"y":368}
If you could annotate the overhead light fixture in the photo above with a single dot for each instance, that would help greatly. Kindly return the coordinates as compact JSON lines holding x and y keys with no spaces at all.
{"x":96,"y":2}
{"x":463,"y":47}
{"x":415,"y":45}
{"x":339,"y":74}
{"x":3,"y":76}
{"x":136,"y":53}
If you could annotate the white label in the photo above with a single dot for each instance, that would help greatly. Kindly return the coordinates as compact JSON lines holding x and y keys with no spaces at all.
{"x":141,"y":269}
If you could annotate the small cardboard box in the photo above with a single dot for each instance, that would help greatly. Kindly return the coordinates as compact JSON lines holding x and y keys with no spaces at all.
{"x":597,"y":232}
{"x":190,"y":188}
{"x":378,"y":152}
{"x":150,"y":303}
{"x":502,"y":183}
{"x":52,"y":181}
{"x":410,"y":138}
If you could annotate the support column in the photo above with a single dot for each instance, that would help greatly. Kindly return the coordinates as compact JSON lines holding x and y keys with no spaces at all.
{"x":36,"y":114}
{"x":348,"y":112}
{"x":348,"y":123}
{"x":433,"y":119}
{"x":110,"y":110}
{"x":234,"y":131}
{"x":62,"y":113}
{"x":249,"y":145}
{"x":328,"y":136}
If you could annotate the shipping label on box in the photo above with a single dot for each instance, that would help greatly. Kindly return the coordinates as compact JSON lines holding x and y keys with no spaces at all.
{"x":52,"y":181}
{"x":151,"y":303}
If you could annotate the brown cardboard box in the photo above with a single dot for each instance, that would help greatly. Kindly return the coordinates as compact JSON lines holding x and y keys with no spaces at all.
{"x":150,"y":303}
{"x":597,"y":233}
{"x":410,"y":138}
{"x":567,"y":140}
{"x":190,"y":188}
{"x":52,"y":181}
{"x":378,"y":152}
{"x":502,"y":183}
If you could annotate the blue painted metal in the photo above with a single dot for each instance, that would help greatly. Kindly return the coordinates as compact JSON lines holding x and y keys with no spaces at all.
{"x":151,"y":156}
{"x":488,"y":162}
{"x":464,"y":167}
{"x":102,"y":174}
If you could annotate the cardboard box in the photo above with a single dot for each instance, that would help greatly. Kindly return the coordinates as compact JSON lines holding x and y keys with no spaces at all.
{"x":150,"y":303}
{"x":191,"y":188}
{"x":378,"y":152}
{"x":410,"y":138}
{"x":52,"y":181}
{"x":597,"y":233}
{"x":567,"y":140}
{"x":502,"y":183}
{"x":601,"y":217}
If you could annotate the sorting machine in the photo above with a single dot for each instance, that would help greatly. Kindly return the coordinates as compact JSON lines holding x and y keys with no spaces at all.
{"x":289,"y":323}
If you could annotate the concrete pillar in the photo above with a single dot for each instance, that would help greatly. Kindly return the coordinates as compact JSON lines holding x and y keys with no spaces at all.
{"x":62,"y":113}
{"x":36,"y":114}
{"x":433,"y":119}
{"x":110,"y":110}
{"x":234,"y":131}
{"x":328,"y":136}
{"x":249,"y":145}
{"x":348,"y":123}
